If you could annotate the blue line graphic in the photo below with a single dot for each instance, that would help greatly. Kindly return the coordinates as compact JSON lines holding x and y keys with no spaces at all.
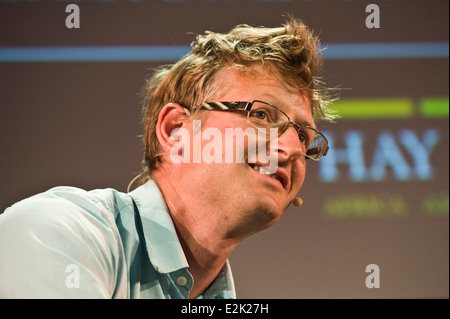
{"x":343,"y":51}
{"x":386,"y":50}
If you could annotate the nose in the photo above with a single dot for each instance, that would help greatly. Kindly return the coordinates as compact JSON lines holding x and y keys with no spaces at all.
{"x":289,"y":146}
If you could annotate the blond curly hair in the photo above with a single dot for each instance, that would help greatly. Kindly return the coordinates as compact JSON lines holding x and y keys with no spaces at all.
{"x":292,"y":52}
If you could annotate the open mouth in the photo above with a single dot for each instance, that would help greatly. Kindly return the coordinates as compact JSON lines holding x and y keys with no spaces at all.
{"x":263,"y":170}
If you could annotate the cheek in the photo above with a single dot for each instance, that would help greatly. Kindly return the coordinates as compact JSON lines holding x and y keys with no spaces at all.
{"x":298,"y":176}
{"x":224,"y":139}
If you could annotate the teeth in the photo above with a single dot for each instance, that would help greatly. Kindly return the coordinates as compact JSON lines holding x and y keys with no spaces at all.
{"x":262,"y":170}
{"x":267,"y":172}
{"x":275,"y":177}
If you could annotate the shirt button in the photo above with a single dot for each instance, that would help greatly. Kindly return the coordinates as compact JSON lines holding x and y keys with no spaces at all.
{"x":182,"y":281}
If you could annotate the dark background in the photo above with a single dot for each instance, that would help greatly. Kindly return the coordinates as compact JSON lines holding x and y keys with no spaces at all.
{"x":77,"y":123}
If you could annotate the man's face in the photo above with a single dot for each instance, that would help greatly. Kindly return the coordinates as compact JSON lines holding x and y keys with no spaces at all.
{"x":246,"y":199}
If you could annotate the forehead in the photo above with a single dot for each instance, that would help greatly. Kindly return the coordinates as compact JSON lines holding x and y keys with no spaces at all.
{"x":260,"y":84}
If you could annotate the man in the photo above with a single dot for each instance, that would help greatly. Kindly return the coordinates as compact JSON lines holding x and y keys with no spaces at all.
{"x":171,"y":237}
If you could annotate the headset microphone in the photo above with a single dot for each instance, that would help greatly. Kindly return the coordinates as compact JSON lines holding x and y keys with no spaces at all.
{"x":297,"y":201}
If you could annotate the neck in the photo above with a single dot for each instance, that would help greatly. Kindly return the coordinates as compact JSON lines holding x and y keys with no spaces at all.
{"x":201,"y":234}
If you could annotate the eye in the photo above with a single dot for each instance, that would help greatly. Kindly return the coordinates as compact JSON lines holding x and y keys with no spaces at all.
{"x":303,"y":138}
{"x":303,"y":135}
{"x":260,"y":115}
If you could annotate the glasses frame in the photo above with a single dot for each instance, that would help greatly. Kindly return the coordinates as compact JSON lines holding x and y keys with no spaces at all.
{"x":247,"y":106}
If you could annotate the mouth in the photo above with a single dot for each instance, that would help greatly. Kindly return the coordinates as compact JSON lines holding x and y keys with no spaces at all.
{"x":279,"y":175}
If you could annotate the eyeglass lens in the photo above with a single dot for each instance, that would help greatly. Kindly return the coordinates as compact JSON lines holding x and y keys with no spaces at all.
{"x":266,"y":116}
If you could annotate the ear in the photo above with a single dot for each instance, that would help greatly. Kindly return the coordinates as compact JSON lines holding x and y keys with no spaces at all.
{"x":171,"y":117}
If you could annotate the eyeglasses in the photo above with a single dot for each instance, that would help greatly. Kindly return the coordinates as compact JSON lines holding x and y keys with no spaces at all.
{"x":262,"y":115}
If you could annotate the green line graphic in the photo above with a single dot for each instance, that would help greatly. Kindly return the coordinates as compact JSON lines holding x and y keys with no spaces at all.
{"x":434,"y":107}
{"x":374,"y":108}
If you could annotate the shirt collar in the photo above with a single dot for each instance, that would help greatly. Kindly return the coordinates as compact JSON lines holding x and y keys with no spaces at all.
{"x":222,"y":287}
{"x":162,"y":243}
{"x":161,"y":240}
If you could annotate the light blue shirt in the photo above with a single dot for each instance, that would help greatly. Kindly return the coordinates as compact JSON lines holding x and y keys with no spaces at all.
{"x":71,"y":243}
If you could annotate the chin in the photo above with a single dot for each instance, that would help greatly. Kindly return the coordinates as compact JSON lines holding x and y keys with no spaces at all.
{"x":253,"y":214}
{"x":271,"y":209}
{"x":266,"y":215}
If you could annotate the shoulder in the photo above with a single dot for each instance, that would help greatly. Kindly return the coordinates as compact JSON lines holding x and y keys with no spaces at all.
{"x":64,"y":202}
{"x":60,"y":206}
{"x":61,"y":227}
{"x":63,"y":212}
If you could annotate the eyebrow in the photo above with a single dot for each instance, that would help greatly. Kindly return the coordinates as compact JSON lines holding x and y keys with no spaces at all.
{"x":281,"y":105}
